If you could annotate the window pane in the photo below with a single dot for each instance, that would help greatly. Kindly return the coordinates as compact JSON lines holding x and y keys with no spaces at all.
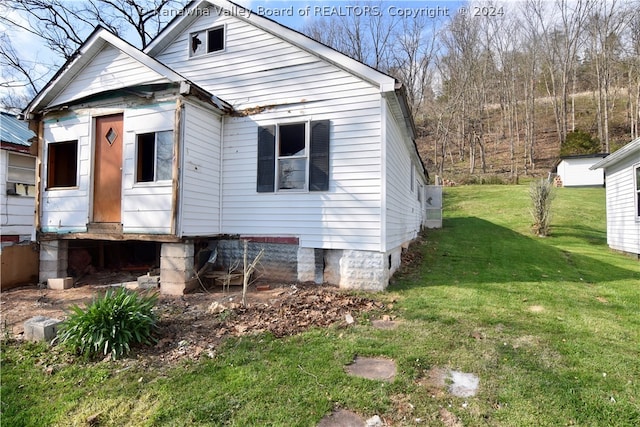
{"x":638,"y":179}
{"x":21,"y":169}
{"x":216,"y":39}
{"x":291,"y":174}
{"x":164,"y":159}
{"x":63,"y":164}
{"x":145,"y":160}
{"x":292,"y":140}
{"x":197,"y":45}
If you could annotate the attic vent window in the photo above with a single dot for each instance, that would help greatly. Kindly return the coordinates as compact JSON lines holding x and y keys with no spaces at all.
{"x":207,"y":41}
{"x":111,"y":136}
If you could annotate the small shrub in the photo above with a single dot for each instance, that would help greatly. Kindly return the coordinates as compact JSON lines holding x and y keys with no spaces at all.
{"x":542,"y":194}
{"x":579,"y":142}
{"x":110,"y":324}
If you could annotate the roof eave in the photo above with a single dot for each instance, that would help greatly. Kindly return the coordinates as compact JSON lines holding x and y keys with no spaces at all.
{"x":621,"y":154}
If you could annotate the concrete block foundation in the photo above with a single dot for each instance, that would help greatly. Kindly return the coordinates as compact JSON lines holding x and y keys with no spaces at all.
{"x":177,"y":273}
{"x":54,"y":258}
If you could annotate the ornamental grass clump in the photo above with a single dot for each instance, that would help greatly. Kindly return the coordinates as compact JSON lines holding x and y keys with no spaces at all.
{"x":111,"y":324}
{"x":542,"y":194}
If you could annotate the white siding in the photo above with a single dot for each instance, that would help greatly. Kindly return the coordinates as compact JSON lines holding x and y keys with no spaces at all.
{"x":66,"y":210}
{"x":200,"y":198}
{"x":286,"y":83}
{"x":110,"y":69}
{"x":623,"y":225}
{"x":146,"y":207}
{"x":403,"y":209}
{"x":576,"y":173}
{"x":17,"y":212}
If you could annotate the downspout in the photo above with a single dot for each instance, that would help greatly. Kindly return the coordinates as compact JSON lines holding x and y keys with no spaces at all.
{"x":383,"y":174}
{"x":221,"y":174}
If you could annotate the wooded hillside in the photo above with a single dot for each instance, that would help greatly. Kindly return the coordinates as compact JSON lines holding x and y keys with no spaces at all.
{"x":496,"y":87}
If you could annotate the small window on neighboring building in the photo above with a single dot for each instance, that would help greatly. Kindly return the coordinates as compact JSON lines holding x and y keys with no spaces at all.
{"x":154,"y":156}
{"x":21,"y":175}
{"x":62,"y":164}
{"x":638,"y":191}
{"x":206,"y":41}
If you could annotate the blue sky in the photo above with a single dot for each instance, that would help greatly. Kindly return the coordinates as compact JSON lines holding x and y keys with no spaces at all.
{"x":295,"y":13}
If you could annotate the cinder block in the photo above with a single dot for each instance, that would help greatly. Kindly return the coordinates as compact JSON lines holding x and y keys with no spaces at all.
{"x":148,"y":282}
{"x":184,"y":250}
{"x":60,"y":283}
{"x":40,"y":328}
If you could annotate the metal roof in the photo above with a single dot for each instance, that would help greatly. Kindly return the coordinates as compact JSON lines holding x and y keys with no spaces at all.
{"x":14,"y":131}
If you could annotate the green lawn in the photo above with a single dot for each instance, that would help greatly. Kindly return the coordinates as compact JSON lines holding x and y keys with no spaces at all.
{"x":550,"y":325}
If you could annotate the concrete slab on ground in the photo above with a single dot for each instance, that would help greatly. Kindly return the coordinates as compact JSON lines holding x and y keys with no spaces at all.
{"x":373,"y":368}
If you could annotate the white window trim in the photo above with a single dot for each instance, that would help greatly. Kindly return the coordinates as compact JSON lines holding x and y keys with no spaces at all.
{"x":206,"y":31}
{"x":636,"y":192}
{"x":155,"y":182}
{"x":307,"y":143}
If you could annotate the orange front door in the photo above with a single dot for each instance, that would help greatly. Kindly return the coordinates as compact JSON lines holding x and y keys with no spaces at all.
{"x":107,"y":187}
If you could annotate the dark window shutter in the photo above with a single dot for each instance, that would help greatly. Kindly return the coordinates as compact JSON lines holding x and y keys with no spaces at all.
{"x":319,"y":161}
{"x":266,"y":159}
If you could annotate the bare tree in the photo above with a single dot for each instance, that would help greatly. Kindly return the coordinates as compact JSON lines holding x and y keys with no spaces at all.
{"x":561,"y":30}
{"x":604,"y":34}
{"x":62,"y":26}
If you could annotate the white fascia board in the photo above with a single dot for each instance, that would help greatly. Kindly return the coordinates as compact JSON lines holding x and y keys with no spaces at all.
{"x":91,"y":47}
{"x":621,"y":154}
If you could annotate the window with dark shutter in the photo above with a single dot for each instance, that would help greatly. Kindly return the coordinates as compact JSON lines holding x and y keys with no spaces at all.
{"x":266,"y":158}
{"x":319,"y":160}
{"x":293,"y":157}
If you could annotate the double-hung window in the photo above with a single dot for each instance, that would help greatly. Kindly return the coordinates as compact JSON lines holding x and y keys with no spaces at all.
{"x":154,"y":156}
{"x":21,"y":175}
{"x":206,"y":41}
{"x":293,"y":157}
{"x":637,"y":168}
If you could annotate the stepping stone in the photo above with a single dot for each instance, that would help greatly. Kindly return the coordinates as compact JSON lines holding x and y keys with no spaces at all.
{"x":373,"y":369}
{"x":463,"y":384}
{"x":460,"y":384}
{"x":384,"y":324}
{"x":342,"y":418}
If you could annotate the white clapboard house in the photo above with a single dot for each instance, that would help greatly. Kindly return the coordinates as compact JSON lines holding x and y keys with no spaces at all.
{"x":227,"y":127}
{"x":622,"y":172}
{"x":17,"y":204}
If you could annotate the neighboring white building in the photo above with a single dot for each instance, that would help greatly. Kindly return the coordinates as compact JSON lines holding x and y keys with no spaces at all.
{"x":622,"y":172}
{"x":17,"y":181}
{"x":574,"y":171}
{"x":228,"y":126}
{"x":18,"y":257}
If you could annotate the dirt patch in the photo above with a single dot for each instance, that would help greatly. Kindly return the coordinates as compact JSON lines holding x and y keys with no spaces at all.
{"x":536,"y":308}
{"x":188,"y":326}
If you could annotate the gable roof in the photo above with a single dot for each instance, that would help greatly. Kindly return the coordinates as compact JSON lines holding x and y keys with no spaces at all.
{"x":632,"y":148}
{"x":195,"y":9}
{"x":97,"y":41}
{"x":384,"y":82}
